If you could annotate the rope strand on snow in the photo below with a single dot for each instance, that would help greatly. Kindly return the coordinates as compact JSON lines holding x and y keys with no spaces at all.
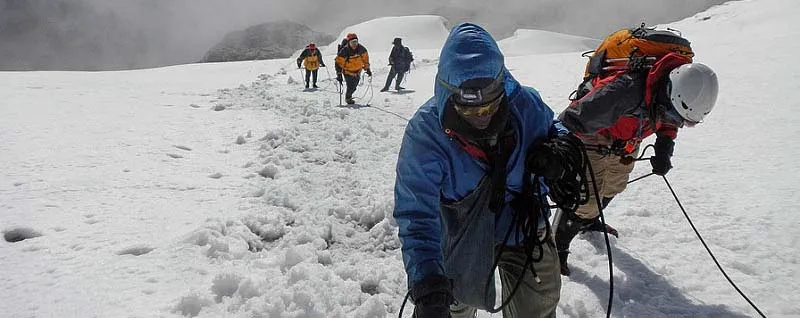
{"x":709,"y":250}
{"x":405,"y":300}
{"x":329,"y":81}
{"x":571,"y":191}
{"x":640,"y":178}
{"x":608,"y":243}
{"x":368,"y":90}
{"x":388,"y":112}
{"x":642,"y":158}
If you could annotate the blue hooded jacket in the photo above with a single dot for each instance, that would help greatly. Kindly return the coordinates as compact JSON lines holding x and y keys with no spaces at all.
{"x":433,"y":169}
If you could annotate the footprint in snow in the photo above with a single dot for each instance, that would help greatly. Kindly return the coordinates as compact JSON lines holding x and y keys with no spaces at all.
{"x":136,"y":250}
{"x":19,"y":234}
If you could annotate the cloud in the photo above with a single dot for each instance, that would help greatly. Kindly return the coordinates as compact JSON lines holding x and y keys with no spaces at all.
{"x":181,"y":31}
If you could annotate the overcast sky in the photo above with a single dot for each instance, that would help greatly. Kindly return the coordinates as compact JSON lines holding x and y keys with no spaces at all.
{"x":201,"y":23}
{"x":180,"y":31}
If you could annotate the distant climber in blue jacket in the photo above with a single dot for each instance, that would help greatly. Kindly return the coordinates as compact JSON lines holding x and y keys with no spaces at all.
{"x":463,"y":198}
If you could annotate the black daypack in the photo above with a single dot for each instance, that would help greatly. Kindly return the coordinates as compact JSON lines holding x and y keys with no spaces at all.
{"x":404,"y":59}
{"x":407,"y":56}
{"x":341,"y":45}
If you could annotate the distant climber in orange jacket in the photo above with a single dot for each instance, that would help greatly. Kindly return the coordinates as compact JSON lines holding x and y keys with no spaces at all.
{"x":350,"y":60}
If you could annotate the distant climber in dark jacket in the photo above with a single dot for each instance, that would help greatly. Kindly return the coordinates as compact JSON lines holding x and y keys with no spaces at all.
{"x":400,"y":59}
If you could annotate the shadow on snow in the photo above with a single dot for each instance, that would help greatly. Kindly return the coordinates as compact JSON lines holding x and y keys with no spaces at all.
{"x":353,"y":106}
{"x":645,"y":293}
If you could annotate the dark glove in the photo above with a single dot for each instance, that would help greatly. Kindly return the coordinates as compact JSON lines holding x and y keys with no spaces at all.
{"x":339,"y":78}
{"x":546,"y":160}
{"x":661,"y":161}
{"x":432,"y":297}
{"x":298,"y":65}
{"x":369,"y":72}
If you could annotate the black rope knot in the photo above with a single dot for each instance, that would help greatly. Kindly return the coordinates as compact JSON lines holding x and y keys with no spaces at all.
{"x":562,"y":162}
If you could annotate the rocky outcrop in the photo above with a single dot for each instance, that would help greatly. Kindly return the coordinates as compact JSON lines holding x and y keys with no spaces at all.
{"x":265,"y":41}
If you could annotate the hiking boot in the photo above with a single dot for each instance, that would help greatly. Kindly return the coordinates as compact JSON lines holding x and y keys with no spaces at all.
{"x":306,"y":85}
{"x":562,"y":259}
{"x":597,"y":226}
{"x":385,"y":89}
{"x":398,"y":88}
{"x":350,"y":101}
{"x":315,"y":86}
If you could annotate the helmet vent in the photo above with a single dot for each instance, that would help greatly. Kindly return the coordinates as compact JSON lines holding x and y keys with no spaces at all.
{"x":685,"y":106}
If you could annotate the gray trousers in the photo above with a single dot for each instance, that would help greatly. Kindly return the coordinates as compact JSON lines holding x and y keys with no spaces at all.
{"x":532,"y":299}
{"x":392,"y":74}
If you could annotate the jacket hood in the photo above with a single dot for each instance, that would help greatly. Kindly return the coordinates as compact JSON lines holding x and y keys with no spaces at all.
{"x":469,"y":52}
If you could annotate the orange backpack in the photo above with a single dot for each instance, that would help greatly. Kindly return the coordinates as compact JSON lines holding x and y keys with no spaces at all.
{"x":631,"y":50}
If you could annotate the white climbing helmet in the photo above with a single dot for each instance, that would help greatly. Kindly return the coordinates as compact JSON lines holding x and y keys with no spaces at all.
{"x":693,"y":91}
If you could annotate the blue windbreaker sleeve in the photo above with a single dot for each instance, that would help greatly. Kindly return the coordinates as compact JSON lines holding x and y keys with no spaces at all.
{"x":555,"y":129}
{"x":417,"y":199}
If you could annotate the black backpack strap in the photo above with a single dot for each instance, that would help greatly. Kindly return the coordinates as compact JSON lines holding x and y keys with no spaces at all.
{"x":596,"y":63}
{"x":498,"y":159}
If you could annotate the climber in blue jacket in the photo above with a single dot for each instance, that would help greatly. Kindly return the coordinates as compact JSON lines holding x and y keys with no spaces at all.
{"x":462,"y":194}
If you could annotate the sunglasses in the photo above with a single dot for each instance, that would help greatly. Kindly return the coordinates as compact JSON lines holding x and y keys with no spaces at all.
{"x":486,"y":109}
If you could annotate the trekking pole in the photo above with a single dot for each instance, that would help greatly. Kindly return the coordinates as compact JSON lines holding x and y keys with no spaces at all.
{"x":339,"y":89}
{"x":302,"y":75}
{"x":709,"y":250}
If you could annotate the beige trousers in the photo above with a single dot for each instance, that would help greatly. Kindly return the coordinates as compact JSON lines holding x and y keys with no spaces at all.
{"x":610,"y":174}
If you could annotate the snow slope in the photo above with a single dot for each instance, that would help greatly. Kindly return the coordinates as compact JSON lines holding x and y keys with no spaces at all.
{"x":420,"y":32}
{"x":527,"y":42}
{"x":149,"y":203}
